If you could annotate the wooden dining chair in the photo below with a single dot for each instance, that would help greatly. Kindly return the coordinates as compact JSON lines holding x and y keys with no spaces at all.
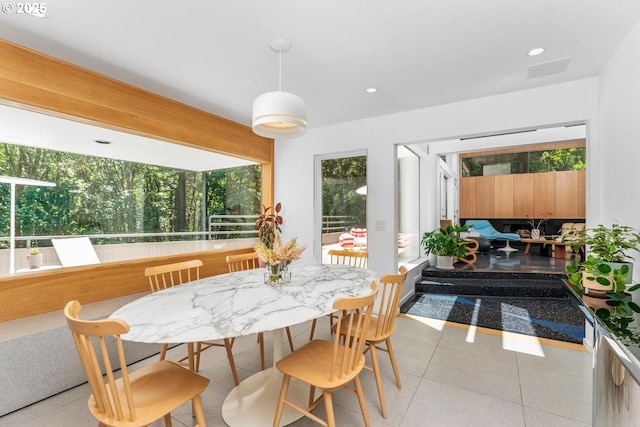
{"x":169,"y":275}
{"x":331,"y":365}
{"x":382,"y":326}
{"x":336,"y":256}
{"x":353,"y":258}
{"x":248,"y":262}
{"x":136,"y":398}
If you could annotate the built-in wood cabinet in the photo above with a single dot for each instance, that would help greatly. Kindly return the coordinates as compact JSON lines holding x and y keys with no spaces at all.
{"x":549,"y":194}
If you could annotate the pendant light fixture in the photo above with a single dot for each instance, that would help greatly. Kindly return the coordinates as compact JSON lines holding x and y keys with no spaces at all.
{"x":279,"y":114}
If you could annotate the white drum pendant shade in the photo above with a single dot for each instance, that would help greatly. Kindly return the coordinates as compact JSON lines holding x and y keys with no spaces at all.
{"x":279,"y":115}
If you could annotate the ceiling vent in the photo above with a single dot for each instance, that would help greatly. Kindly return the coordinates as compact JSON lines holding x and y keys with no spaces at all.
{"x":548,"y":68}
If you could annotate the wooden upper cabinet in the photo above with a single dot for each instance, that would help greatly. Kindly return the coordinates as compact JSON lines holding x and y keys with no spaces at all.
{"x":468,"y":187}
{"x":544,"y":195}
{"x":522,"y":195}
{"x":582,"y":194}
{"x":552,"y":194}
{"x":485,"y":197}
{"x":567,"y":194}
{"x":503,"y":199}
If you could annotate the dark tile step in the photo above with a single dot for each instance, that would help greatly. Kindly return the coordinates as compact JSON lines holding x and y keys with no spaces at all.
{"x":432,"y":272}
{"x":529,"y":288}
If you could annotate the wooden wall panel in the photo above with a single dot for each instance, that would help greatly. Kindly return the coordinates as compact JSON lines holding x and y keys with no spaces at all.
{"x":485,"y":193}
{"x":35,"y":293}
{"x":582,"y":194}
{"x":468,"y":192}
{"x":567,"y":199}
{"x":523,"y":185}
{"x":544,"y":194}
{"x":38,"y":82}
{"x":504,"y":196}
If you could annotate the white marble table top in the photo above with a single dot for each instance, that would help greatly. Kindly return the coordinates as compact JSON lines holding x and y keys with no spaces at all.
{"x":237,"y":304}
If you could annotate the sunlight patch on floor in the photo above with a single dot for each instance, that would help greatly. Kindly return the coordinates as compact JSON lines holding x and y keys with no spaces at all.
{"x":522,"y":344}
{"x":433,"y":323}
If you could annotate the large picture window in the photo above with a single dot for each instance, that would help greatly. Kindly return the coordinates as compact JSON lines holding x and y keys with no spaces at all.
{"x":99,"y":196}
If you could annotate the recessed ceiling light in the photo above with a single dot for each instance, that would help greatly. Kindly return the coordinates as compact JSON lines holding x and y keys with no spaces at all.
{"x":537,"y":51}
{"x":372,"y":90}
{"x":100,"y":141}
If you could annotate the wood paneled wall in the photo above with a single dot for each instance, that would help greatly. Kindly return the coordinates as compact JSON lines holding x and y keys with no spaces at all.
{"x":552,"y":194}
{"x":40,"y":83}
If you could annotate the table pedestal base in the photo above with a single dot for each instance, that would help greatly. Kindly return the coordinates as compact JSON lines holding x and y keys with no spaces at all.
{"x":253,"y":402}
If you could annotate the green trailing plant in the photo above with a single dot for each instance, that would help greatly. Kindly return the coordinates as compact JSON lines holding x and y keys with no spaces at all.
{"x":445,"y":241}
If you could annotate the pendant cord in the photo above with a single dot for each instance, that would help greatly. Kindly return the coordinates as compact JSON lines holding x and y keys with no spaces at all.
{"x":280,"y":70}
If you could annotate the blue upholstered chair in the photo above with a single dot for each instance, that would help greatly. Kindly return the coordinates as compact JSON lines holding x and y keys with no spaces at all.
{"x":486,"y":230}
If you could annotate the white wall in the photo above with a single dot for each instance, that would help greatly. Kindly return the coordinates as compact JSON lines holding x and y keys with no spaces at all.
{"x":544,"y":107}
{"x":620,"y":133}
{"x":619,"y":198}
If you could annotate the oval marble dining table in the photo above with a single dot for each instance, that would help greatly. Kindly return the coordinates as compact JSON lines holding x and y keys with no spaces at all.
{"x":238,"y":304}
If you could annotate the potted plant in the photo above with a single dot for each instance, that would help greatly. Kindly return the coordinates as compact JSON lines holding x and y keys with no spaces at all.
{"x":613,"y":244}
{"x":34,"y":259}
{"x":446,"y":244}
{"x":595,"y":277}
{"x":269,"y":224}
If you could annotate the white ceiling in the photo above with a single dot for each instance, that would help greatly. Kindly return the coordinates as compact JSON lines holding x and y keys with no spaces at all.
{"x":214,"y":55}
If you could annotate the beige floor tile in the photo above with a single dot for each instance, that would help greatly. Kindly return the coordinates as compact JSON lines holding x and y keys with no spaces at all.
{"x":558,"y":359}
{"x":477,"y":373}
{"x":442,"y":405}
{"x":535,"y":418}
{"x":556,"y":393}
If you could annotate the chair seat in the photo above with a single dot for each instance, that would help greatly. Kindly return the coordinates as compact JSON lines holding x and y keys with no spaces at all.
{"x":312,"y":364}
{"x":150,"y":389}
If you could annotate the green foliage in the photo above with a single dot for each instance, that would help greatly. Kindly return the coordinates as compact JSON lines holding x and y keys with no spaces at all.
{"x":612,"y":244}
{"x":103,"y":196}
{"x":562,"y":159}
{"x":340,"y":180}
{"x":598,"y":270}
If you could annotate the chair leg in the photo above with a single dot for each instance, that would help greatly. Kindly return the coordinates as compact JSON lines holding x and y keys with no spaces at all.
{"x":227,"y":345}
{"x":261,"y":343}
{"x":313,"y":328}
{"x":392,"y":356}
{"x":328,"y":407}
{"x":198,"y":412}
{"x":363,"y":406}
{"x":167,"y":420}
{"x":163,"y":351}
{"x":312,"y":395}
{"x":283,"y":394}
{"x":376,"y":373}
{"x":198,"y":353}
{"x":290,"y":339}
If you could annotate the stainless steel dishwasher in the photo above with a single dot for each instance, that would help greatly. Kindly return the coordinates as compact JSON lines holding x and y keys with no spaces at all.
{"x":616,"y":374}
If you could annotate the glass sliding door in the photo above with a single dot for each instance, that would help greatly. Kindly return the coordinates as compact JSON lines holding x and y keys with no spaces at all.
{"x":342,"y":202}
{"x":408,"y":204}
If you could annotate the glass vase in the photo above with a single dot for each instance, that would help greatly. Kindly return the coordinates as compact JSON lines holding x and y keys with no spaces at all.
{"x":274,"y":274}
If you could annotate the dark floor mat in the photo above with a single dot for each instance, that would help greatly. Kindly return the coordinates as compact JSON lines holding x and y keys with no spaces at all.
{"x":557,"y":319}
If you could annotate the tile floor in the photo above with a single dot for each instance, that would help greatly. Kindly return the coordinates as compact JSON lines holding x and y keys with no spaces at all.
{"x":452,"y":375}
